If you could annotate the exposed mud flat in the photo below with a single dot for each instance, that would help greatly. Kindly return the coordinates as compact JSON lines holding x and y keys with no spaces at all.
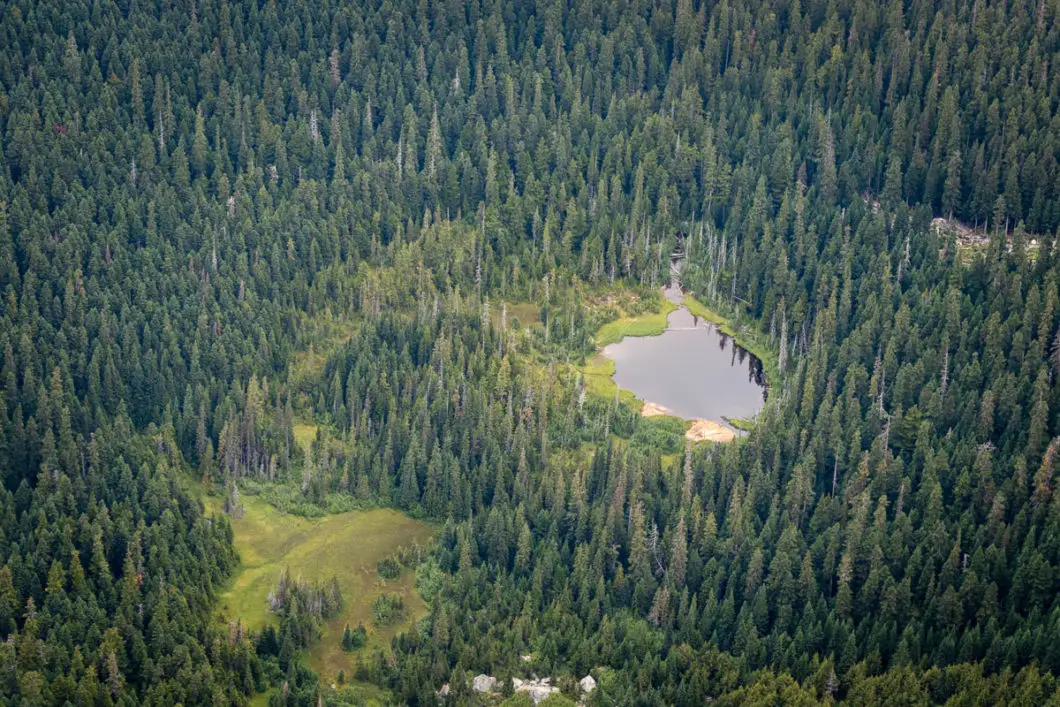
{"x":709,"y":431}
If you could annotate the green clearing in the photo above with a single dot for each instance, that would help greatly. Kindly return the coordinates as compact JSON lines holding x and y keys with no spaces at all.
{"x":346,"y":545}
{"x":599,"y":374}
{"x":259,"y":700}
{"x":527,"y":313}
{"x":651,"y":324}
{"x":740,"y":423}
{"x":329,"y":334}
{"x":304,"y":434}
{"x":599,"y":370}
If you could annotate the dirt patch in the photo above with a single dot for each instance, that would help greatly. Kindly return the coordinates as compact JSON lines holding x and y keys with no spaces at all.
{"x":654,"y":410}
{"x":700,"y":431}
{"x":709,"y":431}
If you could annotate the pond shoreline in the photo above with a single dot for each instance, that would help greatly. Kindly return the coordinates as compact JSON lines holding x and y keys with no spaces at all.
{"x":701,"y":430}
{"x":714,"y":427}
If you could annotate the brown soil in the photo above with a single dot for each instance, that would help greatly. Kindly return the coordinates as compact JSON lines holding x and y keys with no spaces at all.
{"x":654,"y":410}
{"x":709,"y":431}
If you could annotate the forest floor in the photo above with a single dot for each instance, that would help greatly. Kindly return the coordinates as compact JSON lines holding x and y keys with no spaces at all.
{"x":344,"y":545}
{"x":528,"y":313}
{"x":329,"y":335}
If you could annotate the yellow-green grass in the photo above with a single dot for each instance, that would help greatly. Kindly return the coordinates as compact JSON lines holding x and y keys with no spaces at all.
{"x":344,"y":545}
{"x":259,"y":700}
{"x":703,"y":312}
{"x":328,"y":337}
{"x":599,"y":374}
{"x":599,"y":370}
{"x":304,"y":434}
{"x":645,"y":325}
{"x":527,"y":313}
{"x":599,"y":379}
{"x":740,"y":423}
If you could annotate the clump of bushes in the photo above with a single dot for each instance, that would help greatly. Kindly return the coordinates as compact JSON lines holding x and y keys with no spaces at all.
{"x":412,"y":554}
{"x":302,"y":607}
{"x":388,"y":609}
{"x":352,"y":639}
{"x":388,"y":568}
{"x":665,"y":434}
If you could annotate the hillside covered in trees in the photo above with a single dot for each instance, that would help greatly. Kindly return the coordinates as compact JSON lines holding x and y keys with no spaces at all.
{"x":195,"y":195}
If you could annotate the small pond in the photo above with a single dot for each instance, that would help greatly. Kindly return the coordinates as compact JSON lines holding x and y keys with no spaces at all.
{"x":692,"y":369}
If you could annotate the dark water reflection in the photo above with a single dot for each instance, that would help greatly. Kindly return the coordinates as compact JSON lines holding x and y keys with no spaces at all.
{"x":692,"y":369}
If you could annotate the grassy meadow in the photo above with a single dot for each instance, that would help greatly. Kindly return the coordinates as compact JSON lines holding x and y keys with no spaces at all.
{"x":329,"y":335}
{"x":346,"y":545}
{"x":651,"y":324}
{"x":527,"y":313}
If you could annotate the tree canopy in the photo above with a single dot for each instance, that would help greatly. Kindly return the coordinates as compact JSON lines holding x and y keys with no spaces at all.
{"x":195,"y":195}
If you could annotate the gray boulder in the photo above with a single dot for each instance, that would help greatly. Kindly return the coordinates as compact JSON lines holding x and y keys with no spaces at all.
{"x":484,"y":683}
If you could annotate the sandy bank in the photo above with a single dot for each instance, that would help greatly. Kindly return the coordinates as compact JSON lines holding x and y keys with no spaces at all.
{"x":700,"y":431}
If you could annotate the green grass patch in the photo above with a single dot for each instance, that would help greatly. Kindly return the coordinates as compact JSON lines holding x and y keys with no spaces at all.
{"x":703,"y":312}
{"x":598,"y":373}
{"x":260,"y":700}
{"x":346,"y":545}
{"x":359,"y":693}
{"x":304,"y":434}
{"x":740,"y":423}
{"x":651,"y":324}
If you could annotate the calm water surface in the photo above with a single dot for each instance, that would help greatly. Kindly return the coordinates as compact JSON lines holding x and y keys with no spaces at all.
{"x":692,"y":369}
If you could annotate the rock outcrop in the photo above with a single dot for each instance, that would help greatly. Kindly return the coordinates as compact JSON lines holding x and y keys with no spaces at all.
{"x":538,"y":690}
{"x":485,"y":683}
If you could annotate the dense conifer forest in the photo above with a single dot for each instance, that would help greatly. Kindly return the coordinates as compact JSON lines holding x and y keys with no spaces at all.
{"x":196,"y":193}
